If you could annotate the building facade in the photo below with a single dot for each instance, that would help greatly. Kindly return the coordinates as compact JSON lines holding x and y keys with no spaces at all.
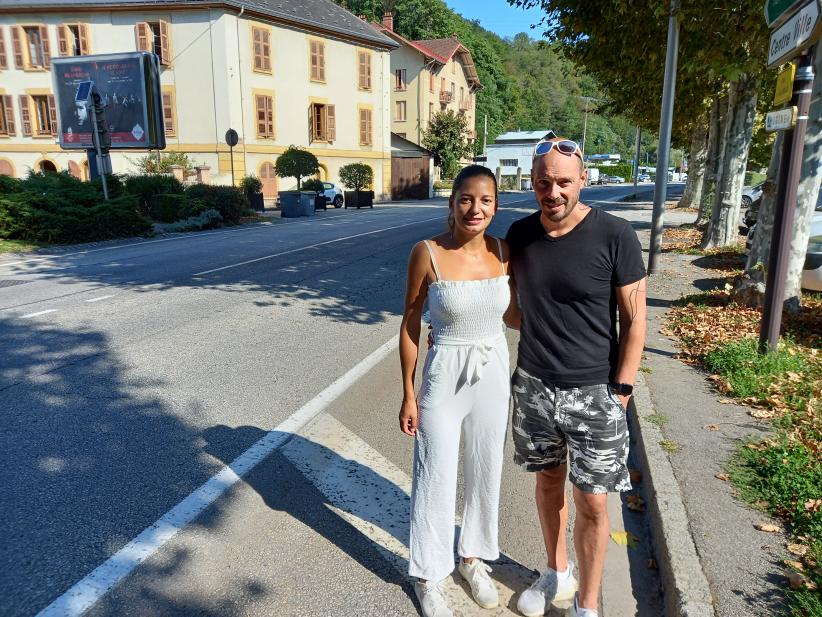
{"x":285,"y":72}
{"x":427,"y":77}
{"x":513,"y":152}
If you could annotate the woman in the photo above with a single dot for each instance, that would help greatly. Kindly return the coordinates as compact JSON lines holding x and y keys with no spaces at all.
{"x":465,"y":389}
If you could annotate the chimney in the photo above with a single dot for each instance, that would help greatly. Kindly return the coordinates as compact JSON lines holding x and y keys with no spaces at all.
{"x":388,"y":20}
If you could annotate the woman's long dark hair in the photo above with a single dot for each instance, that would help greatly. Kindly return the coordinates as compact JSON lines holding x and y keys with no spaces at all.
{"x":465,"y":174}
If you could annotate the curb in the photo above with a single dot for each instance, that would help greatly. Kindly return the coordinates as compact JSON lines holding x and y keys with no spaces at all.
{"x":687,"y":592}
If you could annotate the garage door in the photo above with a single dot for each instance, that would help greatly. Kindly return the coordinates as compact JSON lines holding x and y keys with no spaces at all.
{"x":409,"y":178}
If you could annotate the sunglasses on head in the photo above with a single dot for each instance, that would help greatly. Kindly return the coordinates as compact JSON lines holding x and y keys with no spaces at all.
{"x":565,"y":146}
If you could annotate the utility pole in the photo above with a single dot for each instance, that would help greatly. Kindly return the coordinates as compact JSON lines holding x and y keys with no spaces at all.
{"x":636,"y":157}
{"x":664,"y":149}
{"x":485,"y":138}
{"x":585,"y":124}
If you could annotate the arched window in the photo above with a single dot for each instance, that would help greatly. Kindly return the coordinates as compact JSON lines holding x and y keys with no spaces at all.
{"x":47,"y":166}
{"x":75,"y":170}
{"x":6,"y":168}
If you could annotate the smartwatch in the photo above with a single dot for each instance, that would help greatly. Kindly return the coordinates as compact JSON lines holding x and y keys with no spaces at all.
{"x":623,"y":389}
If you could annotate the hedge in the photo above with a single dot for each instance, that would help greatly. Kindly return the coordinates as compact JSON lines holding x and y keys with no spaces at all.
{"x":146,"y":186}
{"x":227,"y":200}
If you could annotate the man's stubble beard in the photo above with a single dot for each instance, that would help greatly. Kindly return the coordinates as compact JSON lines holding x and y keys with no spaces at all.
{"x":564,"y":213}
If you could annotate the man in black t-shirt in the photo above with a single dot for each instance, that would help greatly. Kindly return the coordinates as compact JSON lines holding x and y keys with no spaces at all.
{"x":575,"y":269}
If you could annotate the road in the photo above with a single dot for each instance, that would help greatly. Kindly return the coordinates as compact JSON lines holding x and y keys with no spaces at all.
{"x":134,"y":372}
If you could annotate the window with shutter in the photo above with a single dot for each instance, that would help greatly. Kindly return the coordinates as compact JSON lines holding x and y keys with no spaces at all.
{"x":85,"y":49}
{"x":165,"y":42}
{"x":399,"y":111}
{"x":399,"y":79}
{"x":262,"y":49}
{"x":3,"y":61}
{"x":36,"y":44}
{"x":63,"y":40}
{"x":8,"y":114}
{"x":3,"y":128}
{"x":266,"y":50}
{"x":365,"y":70}
{"x":44,"y":44}
{"x":431,"y":82}
{"x":363,"y":134}
{"x":264,"y":105}
{"x":317,"y":53}
{"x":142,"y":31}
{"x":25,"y":115}
{"x":331,"y":122}
{"x":169,"y":113}
{"x":52,"y":115}
{"x":17,"y":45}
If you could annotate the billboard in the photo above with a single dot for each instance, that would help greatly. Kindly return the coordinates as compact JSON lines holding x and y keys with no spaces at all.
{"x":129,"y":86}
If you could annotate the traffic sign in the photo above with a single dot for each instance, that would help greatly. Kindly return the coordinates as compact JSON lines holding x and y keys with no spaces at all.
{"x":800,"y":31}
{"x":780,"y":120}
{"x":231,"y":137}
{"x":777,"y":11}
{"x":784,"y":85}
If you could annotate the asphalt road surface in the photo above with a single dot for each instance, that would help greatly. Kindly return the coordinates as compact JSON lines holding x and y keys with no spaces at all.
{"x":133,"y":373}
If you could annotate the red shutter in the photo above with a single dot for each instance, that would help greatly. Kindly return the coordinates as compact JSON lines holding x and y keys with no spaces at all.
{"x":16,"y":43}
{"x":84,"y":46}
{"x":52,"y":115}
{"x":165,"y":43}
{"x":141,"y":31}
{"x":8,"y":109}
{"x":168,"y":113}
{"x":25,"y":115}
{"x":63,"y":35}
{"x":3,"y":62}
{"x":44,"y":41}
{"x":331,"y":123}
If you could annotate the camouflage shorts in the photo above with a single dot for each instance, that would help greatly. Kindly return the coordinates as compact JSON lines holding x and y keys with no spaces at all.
{"x":589,"y":421}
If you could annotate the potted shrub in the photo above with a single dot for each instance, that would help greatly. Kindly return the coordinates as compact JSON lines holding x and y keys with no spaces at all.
{"x":357,"y":176}
{"x":316,"y":185}
{"x":297,"y":163}
{"x":252,"y":188}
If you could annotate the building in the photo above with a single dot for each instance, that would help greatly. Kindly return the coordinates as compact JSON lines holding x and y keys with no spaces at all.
{"x":279,"y":72}
{"x":513,"y":152}
{"x":429,"y":76}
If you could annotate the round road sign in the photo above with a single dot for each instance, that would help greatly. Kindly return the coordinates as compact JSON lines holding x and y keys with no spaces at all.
{"x":231,"y":137}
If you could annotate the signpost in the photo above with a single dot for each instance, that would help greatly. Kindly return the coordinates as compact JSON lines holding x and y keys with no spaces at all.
{"x":232,"y":139}
{"x":797,"y":32}
{"x":780,"y":119}
{"x":784,"y":85}
{"x":777,"y":10}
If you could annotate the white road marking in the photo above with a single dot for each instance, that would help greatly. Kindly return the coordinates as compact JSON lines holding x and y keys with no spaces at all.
{"x":311,"y":246}
{"x":38,"y":313}
{"x":83,"y":594}
{"x":100,"y":298}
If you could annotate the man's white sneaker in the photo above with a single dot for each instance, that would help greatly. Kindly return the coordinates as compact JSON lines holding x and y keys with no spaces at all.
{"x":482,"y":587}
{"x":432,"y":599}
{"x":576,"y":611}
{"x":547,"y":590}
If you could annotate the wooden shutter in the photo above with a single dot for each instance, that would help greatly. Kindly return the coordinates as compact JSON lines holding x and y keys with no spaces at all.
{"x":44,"y":42}
{"x":17,"y":44}
{"x":3,"y":62}
{"x":165,"y":43}
{"x":8,"y":110}
{"x":168,"y":113}
{"x":257,"y":46}
{"x":84,"y":46}
{"x":63,"y":35}
{"x":362,"y":128}
{"x":52,"y":114}
{"x":265,"y":45}
{"x":368,"y":131}
{"x":141,"y":30}
{"x":315,"y":60}
{"x":321,"y":56}
{"x":265,"y":115}
{"x":361,"y":64}
{"x":270,"y":116}
{"x":312,"y":134}
{"x":25,"y":115}
{"x":331,"y":123}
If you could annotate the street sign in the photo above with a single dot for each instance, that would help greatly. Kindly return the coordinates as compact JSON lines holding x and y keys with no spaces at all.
{"x":778,"y":10}
{"x":800,"y":31}
{"x":231,"y":137}
{"x":784,"y":85}
{"x":780,"y":119}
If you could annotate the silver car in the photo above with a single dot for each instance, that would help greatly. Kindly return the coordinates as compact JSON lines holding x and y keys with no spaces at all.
{"x":333,"y":194}
{"x":751,"y":194}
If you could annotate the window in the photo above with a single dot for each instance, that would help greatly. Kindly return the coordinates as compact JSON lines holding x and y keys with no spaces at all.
{"x":31,"y":47}
{"x":399,"y":111}
{"x":317,"y":53}
{"x":155,"y":37}
{"x":323,"y":120}
{"x":509,"y":162}
{"x":454,"y":67}
{"x":462,"y":96}
{"x":364,"y":62}
{"x":169,"y":112}
{"x":39,"y":115}
{"x":72,"y":40}
{"x":430,"y":112}
{"x":261,"y":41}
{"x":399,"y":80}
{"x":365,"y":127}
{"x":6,"y":115}
{"x":431,"y":82}
{"x":442,"y":84}
{"x":264,"y":105}
{"x":3,"y":62}
{"x":453,"y":89}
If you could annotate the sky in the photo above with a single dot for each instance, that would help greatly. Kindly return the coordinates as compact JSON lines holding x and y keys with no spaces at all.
{"x":498,"y":16}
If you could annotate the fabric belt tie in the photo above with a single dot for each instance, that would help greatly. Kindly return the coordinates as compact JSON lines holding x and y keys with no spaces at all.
{"x":479,"y":354}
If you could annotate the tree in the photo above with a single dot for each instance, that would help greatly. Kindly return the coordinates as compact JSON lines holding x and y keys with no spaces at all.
{"x":296,"y":162}
{"x":161,"y":163}
{"x":356,"y":176}
{"x":446,"y":136}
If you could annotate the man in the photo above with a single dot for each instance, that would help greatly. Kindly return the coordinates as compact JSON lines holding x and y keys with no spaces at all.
{"x":574,"y":268}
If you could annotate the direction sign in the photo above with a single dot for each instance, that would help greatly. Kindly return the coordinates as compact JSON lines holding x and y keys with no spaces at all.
{"x":778,"y":10}
{"x":784,"y":85}
{"x":800,"y":31}
{"x":780,"y":119}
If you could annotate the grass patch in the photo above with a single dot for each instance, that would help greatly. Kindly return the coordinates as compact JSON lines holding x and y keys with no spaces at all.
{"x":646,"y":369}
{"x":18,"y":246}
{"x":669,"y":446}
{"x":657,"y":419}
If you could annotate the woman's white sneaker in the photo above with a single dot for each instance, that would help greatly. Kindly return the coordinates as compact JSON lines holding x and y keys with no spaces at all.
{"x":482,"y":587}
{"x":548,"y":589}
{"x":576,"y":611}
{"x":432,"y":599}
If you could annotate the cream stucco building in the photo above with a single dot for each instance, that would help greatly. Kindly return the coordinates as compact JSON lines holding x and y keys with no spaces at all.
{"x":279,"y":72}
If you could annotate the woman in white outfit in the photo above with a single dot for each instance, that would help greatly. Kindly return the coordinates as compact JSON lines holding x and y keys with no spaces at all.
{"x":465,"y":390}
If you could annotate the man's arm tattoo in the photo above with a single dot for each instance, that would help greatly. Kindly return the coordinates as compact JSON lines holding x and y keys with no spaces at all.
{"x":633,"y":302}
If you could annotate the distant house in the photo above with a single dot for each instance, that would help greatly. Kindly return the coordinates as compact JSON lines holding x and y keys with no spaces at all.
{"x":514,"y":151}
{"x":279,"y":72}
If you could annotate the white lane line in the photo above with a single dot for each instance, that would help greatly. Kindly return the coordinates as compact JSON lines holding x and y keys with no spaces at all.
{"x":38,"y":313}
{"x":311,"y":246}
{"x":100,"y":298}
{"x":83,"y":594}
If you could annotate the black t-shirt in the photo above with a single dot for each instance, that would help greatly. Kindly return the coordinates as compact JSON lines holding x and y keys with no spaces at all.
{"x":566,"y":290}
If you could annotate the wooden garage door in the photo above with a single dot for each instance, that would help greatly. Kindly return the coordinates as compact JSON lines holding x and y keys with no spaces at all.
{"x":269,"y":180}
{"x":409,"y":178}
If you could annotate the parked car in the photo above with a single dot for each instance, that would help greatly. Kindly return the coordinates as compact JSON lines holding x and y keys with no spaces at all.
{"x":617,"y":179}
{"x":644,"y":177}
{"x":333,"y":194}
{"x":751,"y":194}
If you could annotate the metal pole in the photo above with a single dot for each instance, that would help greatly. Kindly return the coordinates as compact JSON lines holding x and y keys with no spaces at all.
{"x":636,"y":157}
{"x":485,"y":138}
{"x":789,"y":176}
{"x":664,"y":149}
{"x":101,"y":167}
{"x":231,"y":154}
{"x":585,"y":125}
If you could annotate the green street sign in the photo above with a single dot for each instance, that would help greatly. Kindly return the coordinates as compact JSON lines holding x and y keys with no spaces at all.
{"x":777,"y":10}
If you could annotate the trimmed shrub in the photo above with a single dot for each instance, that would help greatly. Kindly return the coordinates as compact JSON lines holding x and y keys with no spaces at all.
{"x":208,"y":219}
{"x":313,"y":184}
{"x":356,"y":176}
{"x":251,"y":185}
{"x":8,"y":185}
{"x":146,"y":186}
{"x":168,"y":207}
{"x":227,"y":200}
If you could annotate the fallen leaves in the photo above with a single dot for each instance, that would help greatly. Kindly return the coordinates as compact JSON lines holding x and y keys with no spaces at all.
{"x":768,"y":527}
{"x":800,"y":550}
{"x":722,"y":476}
{"x":624,"y":538}
{"x":635,"y":503}
{"x":711,"y":427}
{"x":797,"y":580}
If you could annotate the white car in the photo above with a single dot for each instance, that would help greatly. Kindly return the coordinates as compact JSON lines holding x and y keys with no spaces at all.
{"x":750,"y":194}
{"x":333,"y":194}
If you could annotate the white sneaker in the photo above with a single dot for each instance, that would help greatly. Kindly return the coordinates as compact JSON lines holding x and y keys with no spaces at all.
{"x":576,"y":611}
{"x":547,"y":590}
{"x":482,"y":587}
{"x":432,"y":599}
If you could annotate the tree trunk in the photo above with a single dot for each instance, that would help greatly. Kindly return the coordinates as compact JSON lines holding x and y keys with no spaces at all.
{"x":715,"y":125}
{"x":723,"y":229}
{"x":697,"y":155}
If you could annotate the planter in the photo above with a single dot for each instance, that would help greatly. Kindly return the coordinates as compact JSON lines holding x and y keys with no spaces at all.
{"x":320,"y":202}
{"x":297,"y":203}
{"x":359,"y":199}
{"x":256,"y":201}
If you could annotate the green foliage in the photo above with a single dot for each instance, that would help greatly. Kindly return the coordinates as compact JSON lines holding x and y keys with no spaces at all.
{"x":170,"y":207}
{"x":251,"y":185}
{"x":446,"y":136}
{"x":146,"y":186}
{"x":297,"y":163}
{"x":313,"y":184}
{"x":227,"y":200}
{"x":444,"y":184}
{"x":624,"y":170}
{"x":8,"y":185}
{"x":208,"y":219}
{"x":157,"y":163}
{"x":356,"y":176}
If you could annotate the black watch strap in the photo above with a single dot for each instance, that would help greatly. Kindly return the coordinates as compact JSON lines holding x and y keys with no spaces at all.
{"x":623,"y":389}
